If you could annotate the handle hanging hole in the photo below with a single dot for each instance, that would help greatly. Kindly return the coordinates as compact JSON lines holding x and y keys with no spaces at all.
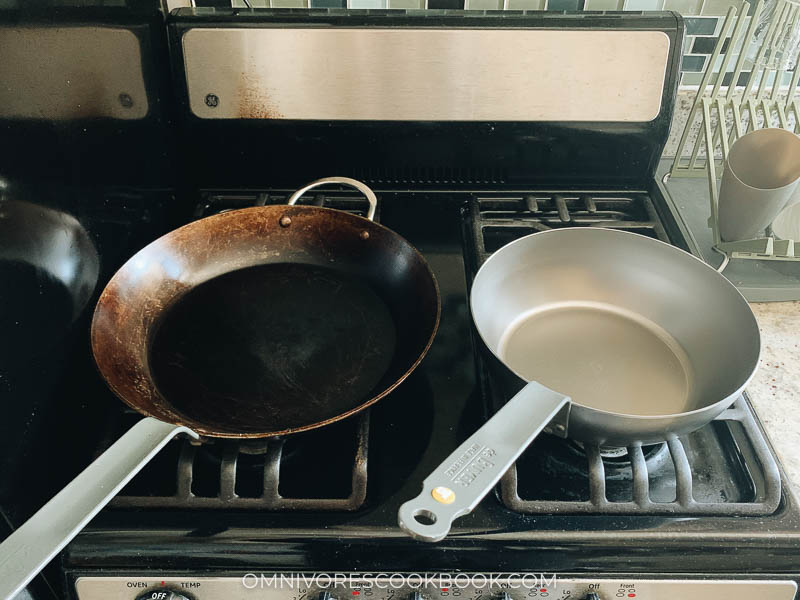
{"x":425,"y":517}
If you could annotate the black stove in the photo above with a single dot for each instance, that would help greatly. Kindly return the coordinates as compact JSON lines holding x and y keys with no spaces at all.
{"x":326,"y":501}
{"x":707,"y":516}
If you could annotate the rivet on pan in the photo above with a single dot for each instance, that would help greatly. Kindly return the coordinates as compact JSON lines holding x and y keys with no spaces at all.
{"x":364,"y":235}
{"x":443,"y":494}
{"x":285,"y":221}
{"x":560,"y":427}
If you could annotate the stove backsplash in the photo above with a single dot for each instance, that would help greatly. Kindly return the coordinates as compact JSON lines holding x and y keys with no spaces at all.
{"x":117,"y":95}
{"x":703,"y":19}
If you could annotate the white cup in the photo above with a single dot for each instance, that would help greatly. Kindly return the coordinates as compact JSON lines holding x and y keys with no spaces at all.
{"x":760,"y":179}
{"x":786,"y":225}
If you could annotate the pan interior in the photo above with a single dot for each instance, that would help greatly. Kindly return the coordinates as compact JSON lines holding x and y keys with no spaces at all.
{"x":601,"y":356}
{"x":273,"y":347}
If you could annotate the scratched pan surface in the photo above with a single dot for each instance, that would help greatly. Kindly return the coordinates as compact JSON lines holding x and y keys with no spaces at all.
{"x":248,"y":324}
{"x":252,"y":323}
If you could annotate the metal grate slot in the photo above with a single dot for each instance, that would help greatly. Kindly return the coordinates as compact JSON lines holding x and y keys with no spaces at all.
{"x":586,"y":208}
{"x":503,"y":219}
{"x":231,"y":470}
{"x":685,"y":503}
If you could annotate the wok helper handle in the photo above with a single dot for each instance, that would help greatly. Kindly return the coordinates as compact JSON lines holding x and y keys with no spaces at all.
{"x":469,"y":473}
{"x":27,"y":551}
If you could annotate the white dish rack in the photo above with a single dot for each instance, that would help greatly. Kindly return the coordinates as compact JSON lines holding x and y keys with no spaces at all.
{"x":724,"y":116}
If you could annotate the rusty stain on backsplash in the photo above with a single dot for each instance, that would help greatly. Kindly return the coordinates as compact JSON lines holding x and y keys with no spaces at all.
{"x":253,"y":100}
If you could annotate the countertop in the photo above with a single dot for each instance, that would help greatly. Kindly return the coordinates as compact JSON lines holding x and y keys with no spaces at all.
{"x":775,"y":388}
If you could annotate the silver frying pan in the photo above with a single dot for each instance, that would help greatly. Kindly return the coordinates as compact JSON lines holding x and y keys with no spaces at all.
{"x":622,"y":340}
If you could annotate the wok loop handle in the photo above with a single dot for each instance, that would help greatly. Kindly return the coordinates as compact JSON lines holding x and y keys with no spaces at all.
{"x":27,"y":551}
{"x":469,"y":473}
{"x":353,"y":183}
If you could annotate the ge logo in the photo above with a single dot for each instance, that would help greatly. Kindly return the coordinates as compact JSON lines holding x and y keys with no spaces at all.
{"x":212,"y":100}
{"x":125,"y":100}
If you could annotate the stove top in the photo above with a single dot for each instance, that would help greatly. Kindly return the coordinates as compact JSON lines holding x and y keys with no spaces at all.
{"x":327,"y":500}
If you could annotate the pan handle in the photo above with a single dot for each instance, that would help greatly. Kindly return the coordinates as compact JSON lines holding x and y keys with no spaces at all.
{"x":469,"y":473}
{"x":353,"y":183}
{"x":28,"y":550}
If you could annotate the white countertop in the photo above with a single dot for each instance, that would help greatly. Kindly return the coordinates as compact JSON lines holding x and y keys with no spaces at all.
{"x":775,"y":389}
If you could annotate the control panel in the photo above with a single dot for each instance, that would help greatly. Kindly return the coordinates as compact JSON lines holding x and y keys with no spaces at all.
{"x":425,"y":586}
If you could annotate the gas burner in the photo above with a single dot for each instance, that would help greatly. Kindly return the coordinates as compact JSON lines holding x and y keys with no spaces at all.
{"x":611,"y":455}
{"x":617,"y":461}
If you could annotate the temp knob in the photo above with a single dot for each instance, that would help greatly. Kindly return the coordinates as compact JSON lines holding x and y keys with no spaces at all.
{"x":591,"y":596}
{"x":415,"y":596}
{"x":324,"y":596}
{"x":504,"y":596}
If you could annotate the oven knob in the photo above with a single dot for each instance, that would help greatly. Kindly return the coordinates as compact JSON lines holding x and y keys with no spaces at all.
{"x":325,"y":596}
{"x":591,"y":596}
{"x":415,"y":596}
{"x":504,"y":596}
{"x":162,"y":594}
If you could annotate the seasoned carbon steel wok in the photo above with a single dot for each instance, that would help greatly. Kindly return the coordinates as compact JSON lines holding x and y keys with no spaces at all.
{"x":638,"y":340}
{"x":251,"y":323}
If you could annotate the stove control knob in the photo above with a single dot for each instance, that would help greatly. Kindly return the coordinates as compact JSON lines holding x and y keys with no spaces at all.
{"x":591,"y":596}
{"x":504,"y":596}
{"x":415,"y":596}
{"x":325,"y":596}
{"x":162,"y":594}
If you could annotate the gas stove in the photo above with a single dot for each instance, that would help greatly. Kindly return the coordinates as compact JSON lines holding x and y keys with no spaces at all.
{"x":723,"y":469}
{"x":314,"y":516}
{"x":324,"y":503}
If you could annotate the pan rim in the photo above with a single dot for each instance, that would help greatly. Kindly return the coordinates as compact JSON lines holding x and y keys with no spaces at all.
{"x":717,"y":406}
{"x":277,"y":208}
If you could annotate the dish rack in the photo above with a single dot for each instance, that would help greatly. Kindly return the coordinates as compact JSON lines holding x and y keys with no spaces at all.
{"x":726,"y":116}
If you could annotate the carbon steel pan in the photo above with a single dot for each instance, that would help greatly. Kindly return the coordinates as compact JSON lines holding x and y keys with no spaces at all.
{"x":605,"y":336}
{"x":251,"y":323}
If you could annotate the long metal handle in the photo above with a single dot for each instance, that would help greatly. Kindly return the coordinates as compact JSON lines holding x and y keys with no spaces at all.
{"x":28,"y":550}
{"x":354,"y":183}
{"x":469,"y":473}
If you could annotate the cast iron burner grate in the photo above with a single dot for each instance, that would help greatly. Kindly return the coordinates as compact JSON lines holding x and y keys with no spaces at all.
{"x":504,"y":218}
{"x":318,"y":470}
{"x":322,"y":470}
{"x":216,"y":202}
{"x":725,"y":468}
